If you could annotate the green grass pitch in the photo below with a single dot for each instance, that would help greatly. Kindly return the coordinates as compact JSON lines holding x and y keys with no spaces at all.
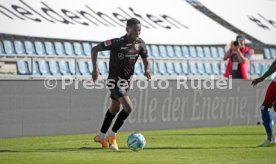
{"x":231,"y":144}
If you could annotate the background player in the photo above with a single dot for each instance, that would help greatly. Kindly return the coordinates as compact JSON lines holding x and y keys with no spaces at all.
{"x":266,"y":108}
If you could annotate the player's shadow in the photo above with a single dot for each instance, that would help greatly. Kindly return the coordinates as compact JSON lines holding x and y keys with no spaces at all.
{"x":202,"y":148}
{"x":52,"y":150}
{"x":124,"y":149}
{"x":209,"y":134}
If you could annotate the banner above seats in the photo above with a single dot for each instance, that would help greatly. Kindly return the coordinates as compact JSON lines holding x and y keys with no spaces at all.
{"x":254,"y":17}
{"x":163,"y":22}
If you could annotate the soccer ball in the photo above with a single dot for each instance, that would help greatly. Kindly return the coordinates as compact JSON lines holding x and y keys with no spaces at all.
{"x":136,"y":141}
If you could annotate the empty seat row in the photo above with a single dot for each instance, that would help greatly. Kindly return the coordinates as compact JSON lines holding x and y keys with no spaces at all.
{"x":269,"y":53}
{"x":72,"y":67}
{"x":64,"y":68}
{"x":168,"y":51}
{"x":258,"y":68}
{"x":66,"y":48}
{"x":59,"y":68}
{"x":188,"y":68}
{"x":55,"y":48}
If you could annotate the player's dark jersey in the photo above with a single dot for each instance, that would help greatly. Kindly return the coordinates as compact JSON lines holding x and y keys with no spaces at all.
{"x":123,"y":56}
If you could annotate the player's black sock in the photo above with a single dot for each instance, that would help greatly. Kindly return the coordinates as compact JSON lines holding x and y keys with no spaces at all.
{"x":107,"y":121}
{"x":120,"y":121}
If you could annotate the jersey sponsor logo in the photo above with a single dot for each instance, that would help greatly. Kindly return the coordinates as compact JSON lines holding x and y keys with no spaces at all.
{"x":136,"y":46}
{"x":133,"y":56}
{"x":107,"y":43}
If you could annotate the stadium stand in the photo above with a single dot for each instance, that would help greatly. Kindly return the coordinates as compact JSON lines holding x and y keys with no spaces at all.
{"x":42,"y":57}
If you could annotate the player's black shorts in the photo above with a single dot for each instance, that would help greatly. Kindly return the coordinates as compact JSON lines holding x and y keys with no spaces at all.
{"x":117,"y":92}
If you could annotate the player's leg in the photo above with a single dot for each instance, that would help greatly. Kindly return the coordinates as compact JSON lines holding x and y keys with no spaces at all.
{"x":127,"y":108}
{"x":109,"y":116}
{"x":267,"y":115}
{"x":122,"y":116}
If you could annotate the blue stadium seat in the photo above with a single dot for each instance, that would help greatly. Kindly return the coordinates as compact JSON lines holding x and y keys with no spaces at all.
{"x":69,"y":49}
{"x":221,"y":52}
{"x":178,"y":68}
{"x":185,"y":51}
{"x":1,"y":48}
{"x":178,"y":51}
{"x":138,"y":69}
{"x":155,"y":51}
{"x":53,"y":68}
{"x":43,"y":68}
{"x":87,"y":49}
{"x":78,"y":49}
{"x":149,"y":51}
{"x":200,"y":68}
{"x":161,"y":68}
{"x":39,"y":48}
{"x":208,"y":68}
{"x":170,"y":68}
{"x":192,"y":52}
{"x":29,"y":47}
{"x":59,"y":48}
{"x":106,"y":53}
{"x":226,"y":48}
{"x":90,"y":67}
{"x":170,"y":50}
{"x":267,"y":54}
{"x":19,"y":47}
{"x":35,"y":70}
{"x":251,"y":69}
{"x":63,"y":68}
{"x":163,"y":51}
{"x":72,"y":67}
{"x":264,"y":68}
{"x":102,"y":68}
{"x":82,"y":68}
{"x":185,"y":68}
{"x":200,"y":52}
{"x":50,"y":50}
{"x":154,"y":70}
{"x":8,"y":47}
{"x":192,"y":68}
{"x":215,"y":67}
{"x":207,"y":53}
{"x":257,"y":68}
{"x":273,"y":53}
{"x":214,"y":53}
{"x":22,"y":68}
{"x":222,"y":68}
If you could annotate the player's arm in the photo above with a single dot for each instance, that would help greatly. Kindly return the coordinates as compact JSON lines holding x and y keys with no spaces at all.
{"x":106,"y":45}
{"x":144,"y":56}
{"x":146,"y":67}
{"x":94,"y":55}
{"x":241,"y":57}
{"x":270,"y":71}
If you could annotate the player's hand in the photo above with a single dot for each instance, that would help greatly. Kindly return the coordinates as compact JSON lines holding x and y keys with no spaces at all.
{"x":147,"y":74}
{"x":95,"y":74}
{"x":256,"y":81}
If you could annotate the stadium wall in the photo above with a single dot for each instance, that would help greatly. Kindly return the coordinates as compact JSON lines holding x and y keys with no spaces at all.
{"x":28,"y":108}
